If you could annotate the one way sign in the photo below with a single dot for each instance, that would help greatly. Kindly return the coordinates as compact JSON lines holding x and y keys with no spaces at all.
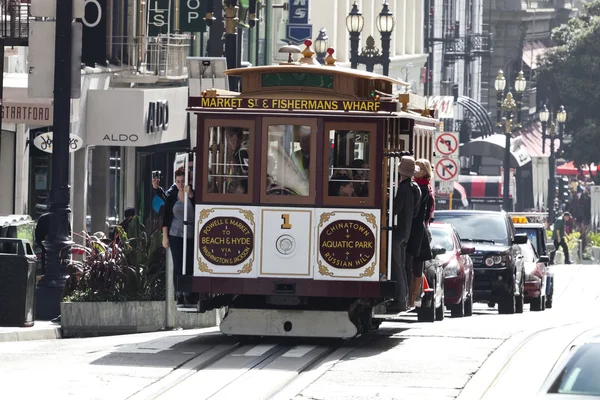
{"x":447,"y":169}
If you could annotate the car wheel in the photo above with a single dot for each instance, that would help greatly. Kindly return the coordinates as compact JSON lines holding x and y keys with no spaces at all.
{"x":427,"y":314}
{"x":543,"y":303}
{"x":469,"y":306}
{"x":439,"y":312}
{"x":520,"y":299}
{"x":536,"y":304}
{"x":458,"y":310}
{"x":507,"y":304}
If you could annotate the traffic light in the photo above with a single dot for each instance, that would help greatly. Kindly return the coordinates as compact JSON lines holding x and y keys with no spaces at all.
{"x":563,"y":188}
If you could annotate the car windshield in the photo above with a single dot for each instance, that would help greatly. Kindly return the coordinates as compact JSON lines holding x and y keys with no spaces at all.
{"x":441,"y":237}
{"x":527,"y":252}
{"x":581,"y":374}
{"x":478,"y":227}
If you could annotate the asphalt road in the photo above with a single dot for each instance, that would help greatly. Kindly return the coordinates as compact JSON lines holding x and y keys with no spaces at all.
{"x":403,"y":360}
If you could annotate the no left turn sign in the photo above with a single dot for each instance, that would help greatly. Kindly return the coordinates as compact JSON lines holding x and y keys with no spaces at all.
{"x":446,"y":169}
{"x":446,"y":144}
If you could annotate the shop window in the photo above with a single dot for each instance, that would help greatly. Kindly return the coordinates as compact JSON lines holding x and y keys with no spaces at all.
{"x":289,"y":158}
{"x":350,"y":156}
{"x":229,"y":161}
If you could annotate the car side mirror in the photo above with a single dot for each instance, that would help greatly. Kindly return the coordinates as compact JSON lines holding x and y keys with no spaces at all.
{"x":521,"y":238}
{"x":438,"y":250}
{"x":464,"y":250}
{"x":544,"y":259}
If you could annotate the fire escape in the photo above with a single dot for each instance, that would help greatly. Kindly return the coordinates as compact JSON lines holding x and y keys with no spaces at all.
{"x":455,"y":47}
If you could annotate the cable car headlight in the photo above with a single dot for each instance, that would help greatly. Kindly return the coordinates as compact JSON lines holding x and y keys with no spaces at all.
{"x":286,"y":245}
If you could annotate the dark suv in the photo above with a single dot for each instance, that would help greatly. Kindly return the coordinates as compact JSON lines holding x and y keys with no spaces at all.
{"x":497,"y":261}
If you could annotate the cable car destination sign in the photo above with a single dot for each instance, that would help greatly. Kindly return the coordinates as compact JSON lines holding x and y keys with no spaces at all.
{"x":293,"y":104}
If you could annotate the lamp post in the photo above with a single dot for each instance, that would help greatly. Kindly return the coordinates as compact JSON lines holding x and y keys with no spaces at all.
{"x":561,"y":118}
{"x":506,"y":104}
{"x":370,"y":55}
{"x":321,"y":45}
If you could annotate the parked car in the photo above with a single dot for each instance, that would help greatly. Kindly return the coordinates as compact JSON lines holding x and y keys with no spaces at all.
{"x":536,"y":233}
{"x":497,"y":261}
{"x":458,"y":269}
{"x":535,"y":277}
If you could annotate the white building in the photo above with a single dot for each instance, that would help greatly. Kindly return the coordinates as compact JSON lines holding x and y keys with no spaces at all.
{"x":408,"y":56}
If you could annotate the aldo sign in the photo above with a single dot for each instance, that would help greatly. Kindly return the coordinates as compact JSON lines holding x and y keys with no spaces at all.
{"x":158,"y":116}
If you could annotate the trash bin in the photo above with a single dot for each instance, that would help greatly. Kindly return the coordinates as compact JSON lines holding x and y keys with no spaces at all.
{"x":17,"y":282}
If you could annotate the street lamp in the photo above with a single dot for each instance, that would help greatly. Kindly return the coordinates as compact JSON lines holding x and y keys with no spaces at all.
{"x":321,"y":45}
{"x":370,"y":55}
{"x":520,"y":86}
{"x":561,"y":118}
{"x":506,"y":104}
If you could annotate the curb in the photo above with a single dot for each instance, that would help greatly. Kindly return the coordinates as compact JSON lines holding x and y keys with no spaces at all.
{"x":27,"y":334}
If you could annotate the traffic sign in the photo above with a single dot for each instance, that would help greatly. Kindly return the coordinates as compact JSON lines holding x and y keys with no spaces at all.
{"x":446,"y":187}
{"x":446,"y":144}
{"x":446,"y":169}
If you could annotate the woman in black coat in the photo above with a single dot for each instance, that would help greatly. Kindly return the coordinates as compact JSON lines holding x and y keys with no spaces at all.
{"x":419,"y":242}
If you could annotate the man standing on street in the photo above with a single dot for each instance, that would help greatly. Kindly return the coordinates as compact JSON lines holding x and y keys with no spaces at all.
{"x":558,"y":236}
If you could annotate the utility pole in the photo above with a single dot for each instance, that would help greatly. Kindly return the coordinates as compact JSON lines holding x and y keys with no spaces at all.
{"x":51,"y":286}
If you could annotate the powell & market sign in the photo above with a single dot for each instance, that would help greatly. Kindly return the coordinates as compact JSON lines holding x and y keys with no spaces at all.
{"x":292,"y":104}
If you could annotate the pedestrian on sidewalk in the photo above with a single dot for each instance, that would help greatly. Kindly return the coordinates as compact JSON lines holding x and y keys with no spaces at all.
{"x":558,"y":236}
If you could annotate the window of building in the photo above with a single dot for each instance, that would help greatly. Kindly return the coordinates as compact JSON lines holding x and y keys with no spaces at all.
{"x":350,"y":154}
{"x":289,"y":161}
{"x":229,"y":161}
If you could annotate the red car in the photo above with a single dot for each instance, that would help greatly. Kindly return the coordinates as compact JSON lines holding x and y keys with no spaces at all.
{"x":458,"y":269}
{"x":536,"y":279}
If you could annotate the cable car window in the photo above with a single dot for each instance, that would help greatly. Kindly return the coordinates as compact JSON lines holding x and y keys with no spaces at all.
{"x":350,"y":156}
{"x":229,"y":162}
{"x":288,"y":160}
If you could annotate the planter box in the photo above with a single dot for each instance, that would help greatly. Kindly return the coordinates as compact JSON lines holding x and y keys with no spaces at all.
{"x":596,"y":254}
{"x":81,"y":319}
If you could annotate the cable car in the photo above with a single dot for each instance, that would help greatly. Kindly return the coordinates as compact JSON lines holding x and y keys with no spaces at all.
{"x":294,"y":181}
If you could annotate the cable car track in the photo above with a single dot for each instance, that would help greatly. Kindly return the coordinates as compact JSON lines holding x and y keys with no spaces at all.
{"x":257,"y":370}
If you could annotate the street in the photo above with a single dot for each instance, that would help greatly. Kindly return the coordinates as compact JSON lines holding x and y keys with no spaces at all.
{"x":403,"y":360}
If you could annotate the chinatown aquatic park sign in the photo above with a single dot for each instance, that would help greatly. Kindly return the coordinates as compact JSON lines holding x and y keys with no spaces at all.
{"x":293,"y":104}
{"x":347,"y":244}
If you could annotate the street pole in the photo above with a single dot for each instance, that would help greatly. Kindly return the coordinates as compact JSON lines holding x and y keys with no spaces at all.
{"x":552,"y":183}
{"x":354,"y":39}
{"x":231,"y":22}
{"x":50,"y":287}
{"x":506,"y":163}
{"x":385,"y":52}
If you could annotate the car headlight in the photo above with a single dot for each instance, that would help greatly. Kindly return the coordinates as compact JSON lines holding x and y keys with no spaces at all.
{"x":451,"y":270}
{"x":497,"y":260}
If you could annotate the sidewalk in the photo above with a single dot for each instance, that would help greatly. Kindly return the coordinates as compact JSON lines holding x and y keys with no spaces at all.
{"x":41,"y":330}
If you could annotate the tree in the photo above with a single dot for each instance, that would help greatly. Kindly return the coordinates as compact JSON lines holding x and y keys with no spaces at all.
{"x":571,"y":71}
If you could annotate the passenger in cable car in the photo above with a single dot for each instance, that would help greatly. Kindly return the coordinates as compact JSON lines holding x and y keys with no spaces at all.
{"x":341,"y":185}
{"x":301,"y":158}
{"x":238,"y":166}
{"x":403,"y":212}
{"x":360,"y":174}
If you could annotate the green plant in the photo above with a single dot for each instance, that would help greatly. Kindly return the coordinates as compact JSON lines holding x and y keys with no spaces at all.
{"x":128,"y":268}
{"x":594,"y":238}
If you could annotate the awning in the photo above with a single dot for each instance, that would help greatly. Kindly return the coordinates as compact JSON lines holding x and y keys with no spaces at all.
{"x":493,"y":146}
{"x":481,"y":186}
{"x":531,"y":140}
{"x":570,"y":169}
{"x":531,"y":52}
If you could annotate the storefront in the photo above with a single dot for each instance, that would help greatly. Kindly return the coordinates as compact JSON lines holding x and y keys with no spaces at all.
{"x":131,"y":132}
{"x":20,"y":116}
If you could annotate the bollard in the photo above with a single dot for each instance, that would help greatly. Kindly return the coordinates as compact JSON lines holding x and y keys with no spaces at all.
{"x":580,"y":255}
{"x":169,"y":292}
